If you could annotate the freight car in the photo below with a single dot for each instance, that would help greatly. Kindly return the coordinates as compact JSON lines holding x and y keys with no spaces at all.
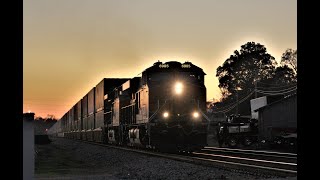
{"x":163,"y":109}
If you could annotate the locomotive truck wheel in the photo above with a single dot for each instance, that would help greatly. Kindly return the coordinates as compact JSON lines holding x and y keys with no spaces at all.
{"x":247,"y":141}
{"x":232,"y":142}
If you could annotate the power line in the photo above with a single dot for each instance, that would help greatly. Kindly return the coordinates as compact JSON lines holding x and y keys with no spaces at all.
{"x":277,"y":91}
{"x":276,"y":85}
{"x":237,"y":103}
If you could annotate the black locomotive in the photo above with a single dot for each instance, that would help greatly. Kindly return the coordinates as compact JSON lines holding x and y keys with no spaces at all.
{"x":163,"y":109}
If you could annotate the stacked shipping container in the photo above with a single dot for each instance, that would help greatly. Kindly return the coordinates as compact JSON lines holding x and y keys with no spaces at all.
{"x":92,"y":113}
{"x":84,"y":117}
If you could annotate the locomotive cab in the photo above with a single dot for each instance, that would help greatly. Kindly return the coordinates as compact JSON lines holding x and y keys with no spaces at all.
{"x":177,"y":97}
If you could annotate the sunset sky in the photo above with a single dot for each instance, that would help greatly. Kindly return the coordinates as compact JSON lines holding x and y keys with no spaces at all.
{"x":70,"y":45}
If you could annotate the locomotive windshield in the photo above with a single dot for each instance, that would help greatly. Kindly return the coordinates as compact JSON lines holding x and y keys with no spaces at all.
{"x":190,"y":77}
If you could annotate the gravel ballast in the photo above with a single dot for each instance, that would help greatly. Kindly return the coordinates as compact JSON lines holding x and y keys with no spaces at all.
{"x":71,"y":159}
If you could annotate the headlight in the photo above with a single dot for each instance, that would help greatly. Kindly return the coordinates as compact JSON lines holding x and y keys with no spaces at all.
{"x":178,"y":88}
{"x":165,"y":114}
{"x":195,"y":114}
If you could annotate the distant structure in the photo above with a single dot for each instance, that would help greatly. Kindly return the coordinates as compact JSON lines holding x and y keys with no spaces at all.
{"x":28,"y":146}
{"x":40,"y":127}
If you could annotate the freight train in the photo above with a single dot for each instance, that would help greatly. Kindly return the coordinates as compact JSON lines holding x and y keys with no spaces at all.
{"x":162,"y":109}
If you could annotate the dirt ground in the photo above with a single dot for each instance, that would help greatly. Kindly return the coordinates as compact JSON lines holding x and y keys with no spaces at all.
{"x":71,"y":159}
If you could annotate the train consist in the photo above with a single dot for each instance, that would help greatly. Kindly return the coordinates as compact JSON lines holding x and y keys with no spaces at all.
{"x":163,"y":109}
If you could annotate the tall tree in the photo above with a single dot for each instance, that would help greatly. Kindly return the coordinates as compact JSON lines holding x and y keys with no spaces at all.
{"x":284,"y":75}
{"x":289,"y":58}
{"x":244,"y":68}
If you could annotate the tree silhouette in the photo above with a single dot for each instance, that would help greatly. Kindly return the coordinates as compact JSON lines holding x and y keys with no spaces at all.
{"x":244,"y":68}
{"x":49,"y":119}
{"x":284,"y":75}
{"x":253,"y":68}
{"x":289,"y":58}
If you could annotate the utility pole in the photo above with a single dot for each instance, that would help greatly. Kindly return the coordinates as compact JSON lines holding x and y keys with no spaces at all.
{"x":237,"y":102}
{"x":255,"y":89}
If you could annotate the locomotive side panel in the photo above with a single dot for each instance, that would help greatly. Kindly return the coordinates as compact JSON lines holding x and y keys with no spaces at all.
{"x":142,"y":97}
{"x":116,"y":113}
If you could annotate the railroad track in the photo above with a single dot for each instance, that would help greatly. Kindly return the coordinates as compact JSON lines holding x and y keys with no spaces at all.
{"x":262,"y":163}
{"x":284,"y":164}
{"x":264,"y":155}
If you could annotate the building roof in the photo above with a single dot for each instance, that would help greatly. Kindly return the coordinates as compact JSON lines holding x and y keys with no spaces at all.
{"x":276,"y":102}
